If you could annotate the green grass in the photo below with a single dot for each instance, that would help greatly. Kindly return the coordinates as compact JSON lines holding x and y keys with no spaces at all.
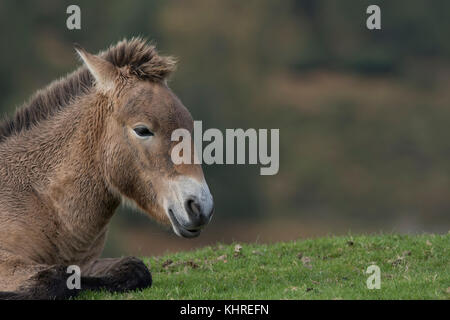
{"x":412,"y":267}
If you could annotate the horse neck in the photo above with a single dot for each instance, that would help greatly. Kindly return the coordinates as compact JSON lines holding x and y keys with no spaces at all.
{"x":62,"y":164}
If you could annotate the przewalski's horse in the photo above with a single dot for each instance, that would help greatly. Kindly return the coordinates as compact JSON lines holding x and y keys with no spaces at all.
{"x":67,"y":160}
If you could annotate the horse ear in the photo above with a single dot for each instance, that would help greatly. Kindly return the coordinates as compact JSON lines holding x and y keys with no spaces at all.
{"x":103,"y":71}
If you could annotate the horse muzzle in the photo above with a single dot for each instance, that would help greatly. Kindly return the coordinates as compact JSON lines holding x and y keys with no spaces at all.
{"x":190,"y":208}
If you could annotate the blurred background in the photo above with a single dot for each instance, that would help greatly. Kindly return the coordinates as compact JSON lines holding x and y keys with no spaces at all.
{"x":364,"y":116}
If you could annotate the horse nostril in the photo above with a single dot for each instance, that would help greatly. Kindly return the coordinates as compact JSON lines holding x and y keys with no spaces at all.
{"x":195,"y":212}
{"x":193,"y":207}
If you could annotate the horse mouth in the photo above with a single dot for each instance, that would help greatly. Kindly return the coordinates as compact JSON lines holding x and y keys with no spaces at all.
{"x":181,"y":230}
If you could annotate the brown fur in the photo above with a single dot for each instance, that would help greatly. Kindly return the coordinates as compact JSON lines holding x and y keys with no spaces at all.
{"x":68,"y":159}
{"x":141,"y":58}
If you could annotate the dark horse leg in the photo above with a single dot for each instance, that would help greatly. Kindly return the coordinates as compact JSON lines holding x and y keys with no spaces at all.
{"x":113,"y":275}
{"x":117,"y":275}
{"x":49,"y":283}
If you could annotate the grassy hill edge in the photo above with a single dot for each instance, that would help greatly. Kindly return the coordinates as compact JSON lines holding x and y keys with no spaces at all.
{"x":411,"y":267}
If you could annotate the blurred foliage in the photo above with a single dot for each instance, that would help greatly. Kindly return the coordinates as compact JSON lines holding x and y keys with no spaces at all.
{"x":363,"y":115}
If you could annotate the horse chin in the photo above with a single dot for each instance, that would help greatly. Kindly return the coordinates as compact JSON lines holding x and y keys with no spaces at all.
{"x":180,"y":230}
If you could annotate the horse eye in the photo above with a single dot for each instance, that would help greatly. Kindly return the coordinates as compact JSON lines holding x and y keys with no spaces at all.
{"x":143,"y":132}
